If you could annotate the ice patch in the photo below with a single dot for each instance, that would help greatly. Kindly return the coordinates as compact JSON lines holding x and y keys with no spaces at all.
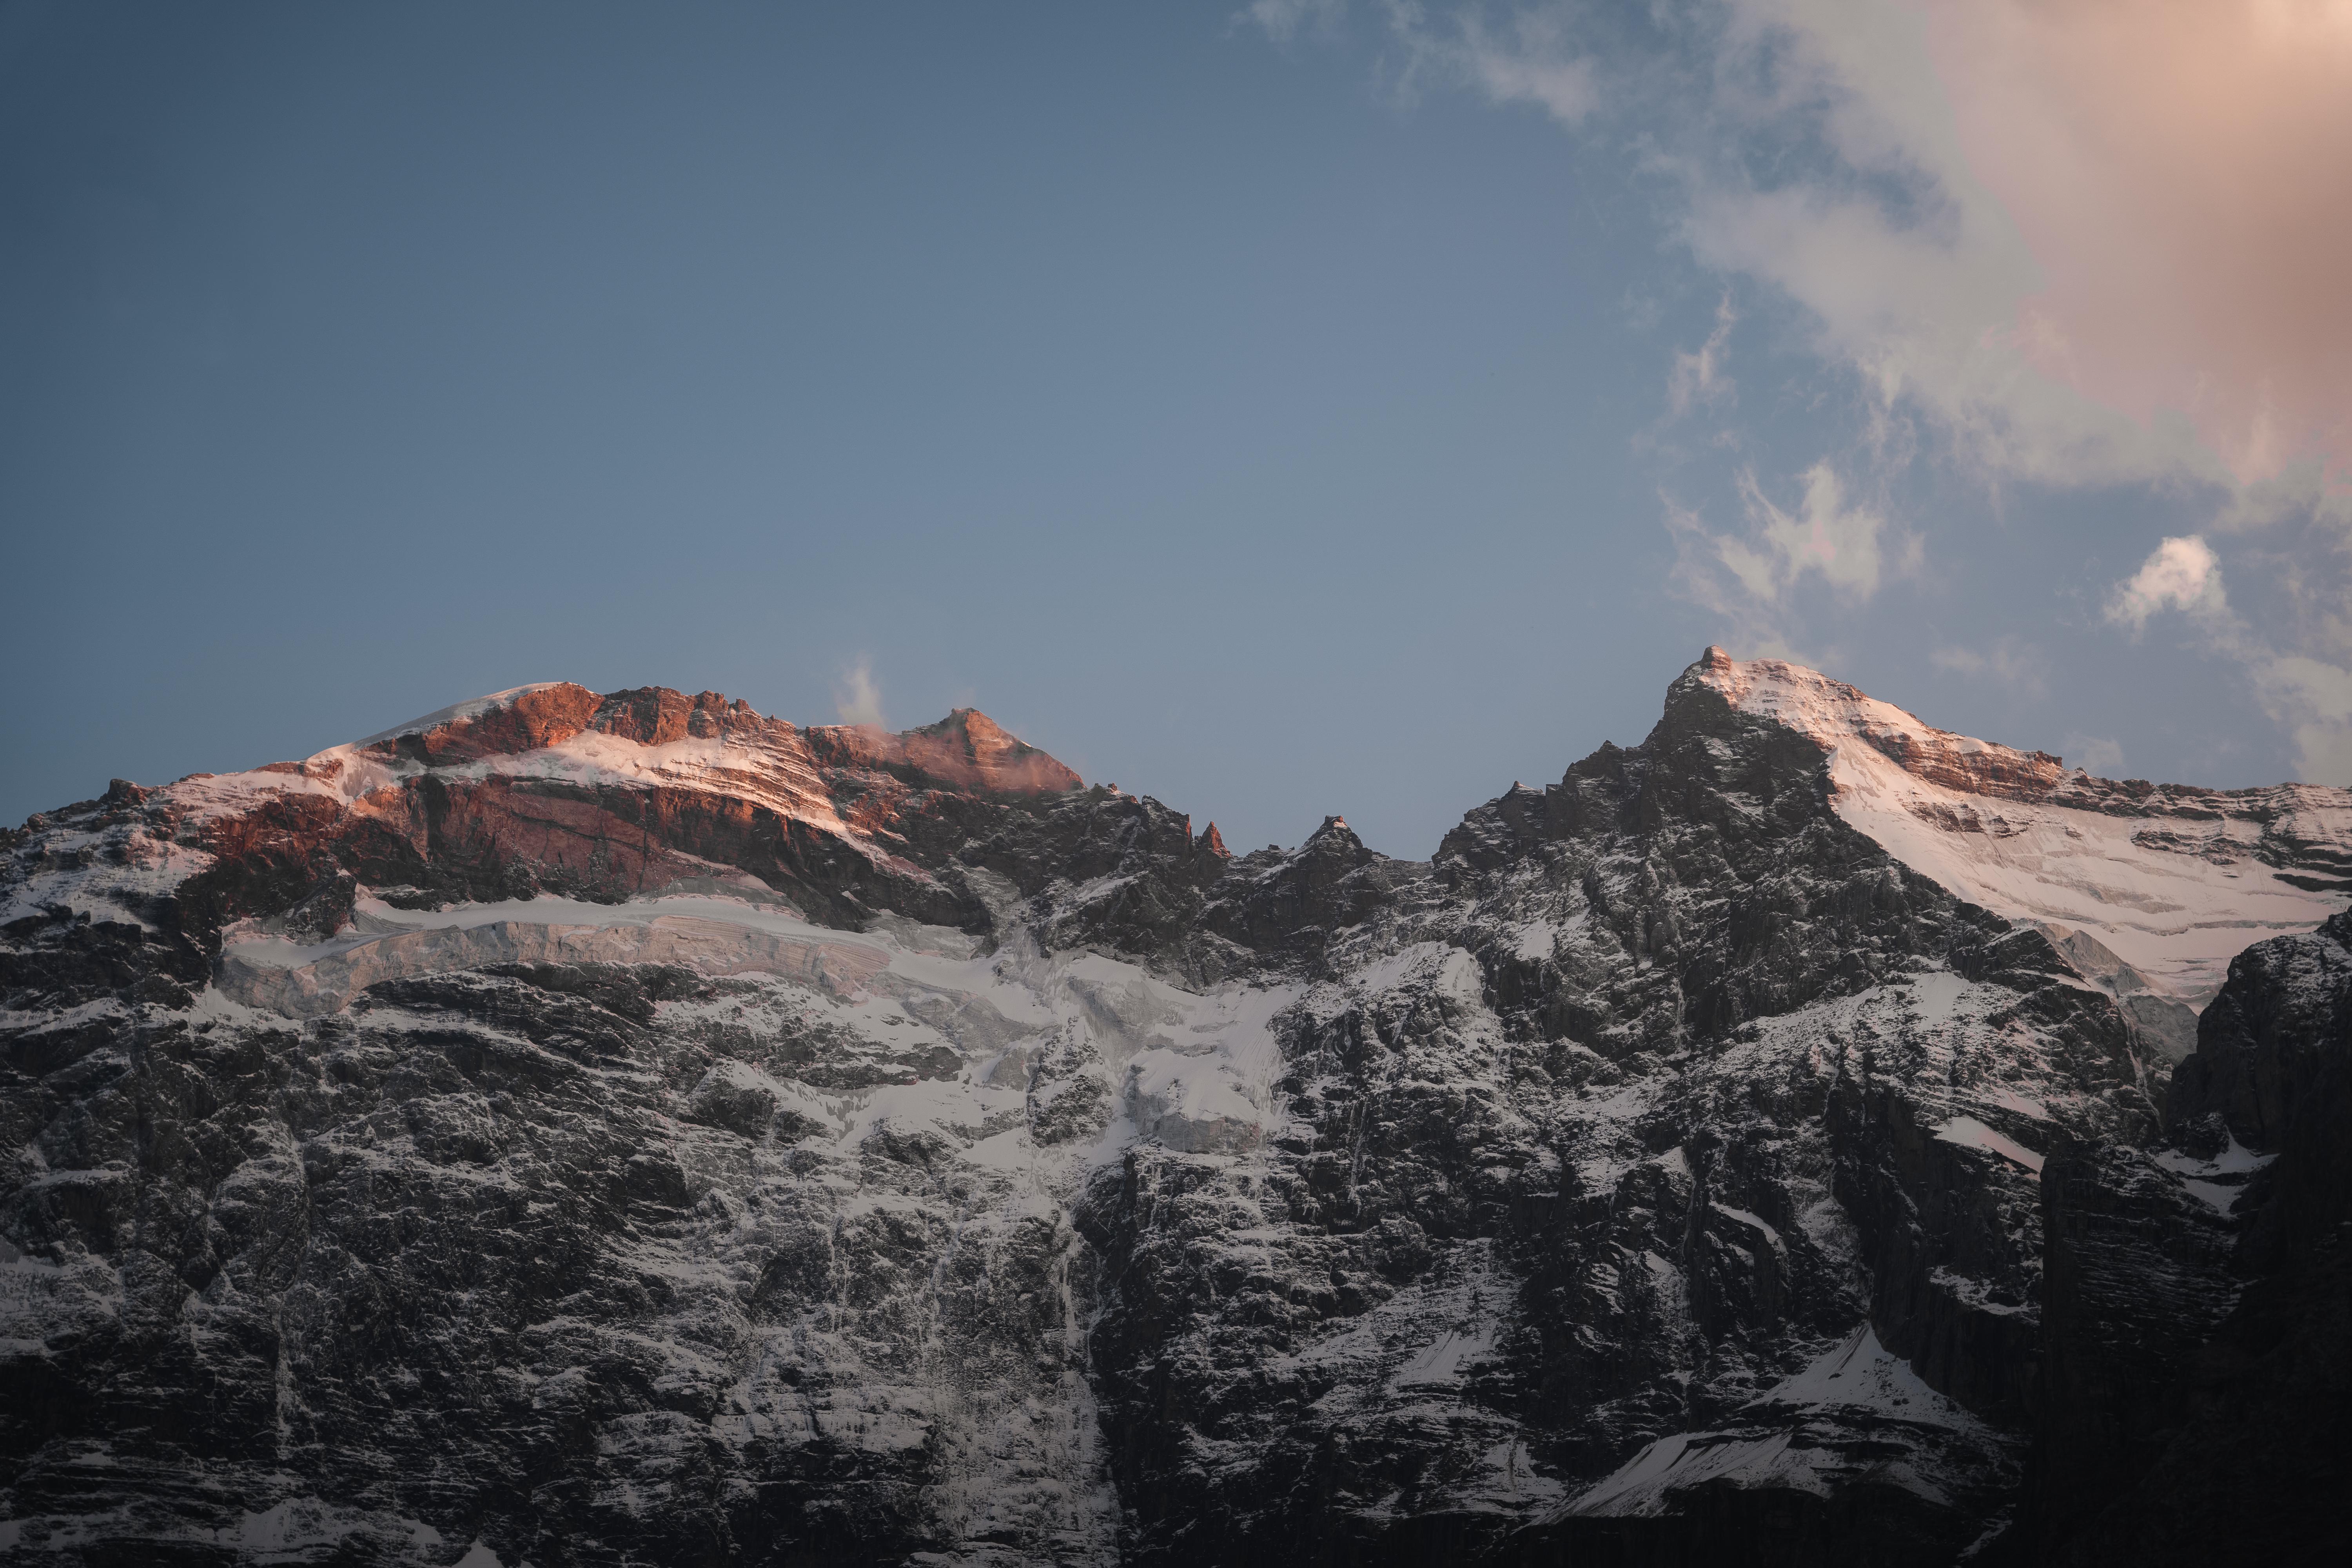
{"x":1863,"y":1372}
{"x":1971,"y":1134}
{"x":2007,"y":1099}
{"x":1859,"y":1378}
{"x":1754,"y":1221}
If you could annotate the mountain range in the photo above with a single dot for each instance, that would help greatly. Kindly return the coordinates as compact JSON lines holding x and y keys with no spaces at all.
{"x":625,"y":1129}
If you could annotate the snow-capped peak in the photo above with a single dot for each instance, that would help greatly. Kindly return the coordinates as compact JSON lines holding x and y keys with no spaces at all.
{"x":2151,"y":889}
{"x":1832,"y":713}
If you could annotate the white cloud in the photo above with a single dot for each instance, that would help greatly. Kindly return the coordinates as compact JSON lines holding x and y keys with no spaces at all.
{"x":1911,"y":273}
{"x":857,"y":696}
{"x":2179,"y":574}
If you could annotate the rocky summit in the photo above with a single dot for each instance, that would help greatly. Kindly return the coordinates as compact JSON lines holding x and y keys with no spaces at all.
{"x":625,"y":1128}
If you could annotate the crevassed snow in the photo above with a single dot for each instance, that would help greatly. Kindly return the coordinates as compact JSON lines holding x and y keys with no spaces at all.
{"x":373,"y":919}
{"x":2176,"y":918}
{"x":1191,"y":1103}
{"x":1195,"y":1066}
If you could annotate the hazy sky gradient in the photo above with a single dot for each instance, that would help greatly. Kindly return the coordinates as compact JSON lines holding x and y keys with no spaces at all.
{"x":1344,"y":409}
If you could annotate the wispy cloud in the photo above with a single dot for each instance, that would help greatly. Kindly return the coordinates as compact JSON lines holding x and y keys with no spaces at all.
{"x":1533,"y":59}
{"x":1825,"y":536}
{"x":857,"y":696}
{"x":1284,"y":20}
{"x":2093,"y":754}
{"x":2009,"y":662}
{"x":1699,"y":377}
{"x":1747,"y":578}
{"x":2313,"y":699}
{"x":1531,"y":55}
{"x":1751,"y":629}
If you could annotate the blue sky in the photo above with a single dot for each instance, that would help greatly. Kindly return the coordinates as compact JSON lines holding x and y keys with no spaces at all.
{"x":1321,"y":409}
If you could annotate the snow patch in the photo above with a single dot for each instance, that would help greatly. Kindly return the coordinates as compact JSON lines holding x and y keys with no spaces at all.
{"x":1858,"y":1382}
{"x":1967,"y":1131}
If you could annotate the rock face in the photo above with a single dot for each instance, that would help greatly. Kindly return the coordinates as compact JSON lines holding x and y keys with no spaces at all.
{"x":602,"y":1129}
{"x":2201,"y":1311}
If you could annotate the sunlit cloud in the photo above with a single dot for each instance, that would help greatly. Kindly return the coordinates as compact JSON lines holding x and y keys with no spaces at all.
{"x":2179,"y":169}
{"x":2076,"y":243}
{"x":2091,"y":240}
{"x":1908,"y":268}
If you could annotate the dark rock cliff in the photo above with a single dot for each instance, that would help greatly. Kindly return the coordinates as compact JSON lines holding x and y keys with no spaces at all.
{"x":618,"y":1129}
{"x":2201,"y":1318}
